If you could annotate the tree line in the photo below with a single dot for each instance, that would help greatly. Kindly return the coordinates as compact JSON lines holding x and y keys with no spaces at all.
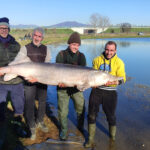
{"x":99,"y":21}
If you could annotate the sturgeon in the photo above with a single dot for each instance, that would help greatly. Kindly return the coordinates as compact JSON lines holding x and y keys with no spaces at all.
{"x":55,"y":73}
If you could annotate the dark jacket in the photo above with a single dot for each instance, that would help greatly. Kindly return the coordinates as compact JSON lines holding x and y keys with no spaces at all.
{"x":8,"y":52}
{"x":36,"y":54}
{"x":68,"y":57}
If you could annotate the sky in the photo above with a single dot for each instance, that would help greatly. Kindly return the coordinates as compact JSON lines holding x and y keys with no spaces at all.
{"x":50,"y":12}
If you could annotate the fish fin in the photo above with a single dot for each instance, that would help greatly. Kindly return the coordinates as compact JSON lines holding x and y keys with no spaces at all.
{"x":83,"y":87}
{"x":8,"y":77}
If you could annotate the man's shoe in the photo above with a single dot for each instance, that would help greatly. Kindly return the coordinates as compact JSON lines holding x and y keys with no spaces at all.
{"x":42,"y":126}
{"x":33,"y":133}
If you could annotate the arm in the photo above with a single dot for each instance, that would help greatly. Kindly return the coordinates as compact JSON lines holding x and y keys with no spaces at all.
{"x":59,"y":57}
{"x":121,"y":72}
{"x":83,"y":60}
{"x":0,"y":71}
{"x":21,"y":57}
{"x":48,"y":56}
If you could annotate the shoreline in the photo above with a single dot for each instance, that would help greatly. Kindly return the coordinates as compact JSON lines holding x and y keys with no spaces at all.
{"x":60,"y":36}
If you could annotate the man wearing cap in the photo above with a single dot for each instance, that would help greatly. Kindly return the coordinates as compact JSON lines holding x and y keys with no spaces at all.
{"x":35,"y":52}
{"x":9,"y":48}
{"x":70,"y":56}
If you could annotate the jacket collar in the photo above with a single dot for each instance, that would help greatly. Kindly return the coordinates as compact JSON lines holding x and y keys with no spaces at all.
{"x":104,"y":57}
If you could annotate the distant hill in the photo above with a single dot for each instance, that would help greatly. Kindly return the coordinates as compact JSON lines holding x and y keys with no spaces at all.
{"x":21,"y":26}
{"x":68,"y":24}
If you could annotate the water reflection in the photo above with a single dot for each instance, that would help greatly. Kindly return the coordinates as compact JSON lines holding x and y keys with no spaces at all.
{"x":133,"y":51}
{"x":124,"y":44}
{"x":133,"y":97}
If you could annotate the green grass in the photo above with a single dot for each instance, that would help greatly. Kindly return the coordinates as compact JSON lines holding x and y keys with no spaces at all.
{"x":61,"y":35}
{"x":58,"y":31}
{"x":117,"y":30}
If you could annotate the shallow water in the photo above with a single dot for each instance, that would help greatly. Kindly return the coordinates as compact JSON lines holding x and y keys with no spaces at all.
{"x":133,"y":110}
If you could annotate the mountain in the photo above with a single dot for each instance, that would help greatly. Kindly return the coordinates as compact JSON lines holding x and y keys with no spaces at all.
{"x":68,"y":24}
{"x":22,"y":26}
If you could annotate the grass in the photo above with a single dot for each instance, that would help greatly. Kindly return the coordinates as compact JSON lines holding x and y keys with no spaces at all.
{"x":51,"y":35}
{"x":133,"y":30}
{"x":61,"y":35}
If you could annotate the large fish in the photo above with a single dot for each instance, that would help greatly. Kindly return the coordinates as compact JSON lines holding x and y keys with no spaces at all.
{"x":53,"y":74}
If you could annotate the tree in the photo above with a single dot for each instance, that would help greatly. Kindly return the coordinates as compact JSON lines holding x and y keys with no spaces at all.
{"x":125,"y":27}
{"x":94,"y":20}
{"x":97,"y":20}
{"x":103,"y":22}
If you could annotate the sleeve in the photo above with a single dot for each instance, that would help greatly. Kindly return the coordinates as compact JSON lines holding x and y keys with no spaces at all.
{"x":48,"y":56}
{"x":95,"y":64}
{"x":21,"y":57}
{"x":121,"y":71}
{"x":59,"y":57}
{"x":83,"y":60}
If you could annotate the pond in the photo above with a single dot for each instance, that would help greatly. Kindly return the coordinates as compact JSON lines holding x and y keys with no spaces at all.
{"x":134,"y":52}
{"x":133,"y":97}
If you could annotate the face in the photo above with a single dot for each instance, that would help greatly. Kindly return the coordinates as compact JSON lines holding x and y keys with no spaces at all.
{"x":110,"y":51}
{"x":74,"y":47}
{"x":37,"y":37}
{"x":4,"y":30}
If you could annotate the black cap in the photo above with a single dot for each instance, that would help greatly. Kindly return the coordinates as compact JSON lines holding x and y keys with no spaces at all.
{"x":74,"y":38}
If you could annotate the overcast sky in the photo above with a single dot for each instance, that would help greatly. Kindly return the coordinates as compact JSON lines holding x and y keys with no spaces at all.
{"x":50,"y":12}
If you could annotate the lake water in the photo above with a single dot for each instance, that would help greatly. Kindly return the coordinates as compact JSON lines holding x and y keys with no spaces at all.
{"x":133,"y":109}
{"x":135,"y":52}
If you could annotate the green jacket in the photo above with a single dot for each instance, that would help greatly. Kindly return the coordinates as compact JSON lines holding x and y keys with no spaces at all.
{"x":8,"y":52}
{"x":67,"y":57}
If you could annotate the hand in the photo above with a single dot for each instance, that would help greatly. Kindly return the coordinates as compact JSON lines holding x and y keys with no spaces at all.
{"x":61,"y":85}
{"x":32,"y":79}
{"x":94,"y":87}
{"x":1,"y":72}
{"x":112,"y":83}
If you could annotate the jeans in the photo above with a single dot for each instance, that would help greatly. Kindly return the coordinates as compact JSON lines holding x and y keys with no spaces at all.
{"x":33,"y":92}
{"x":17,"y":98}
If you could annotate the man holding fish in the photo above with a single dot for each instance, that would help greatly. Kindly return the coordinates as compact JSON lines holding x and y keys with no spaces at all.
{"x":106,"y":94}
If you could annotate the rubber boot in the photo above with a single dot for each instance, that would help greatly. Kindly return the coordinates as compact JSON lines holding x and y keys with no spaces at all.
{"x":63,"y":135}
{"x":112,"y":132}
{"x":91,"y":130}
{"x":64,"y":129}
{"x":80,"y":120}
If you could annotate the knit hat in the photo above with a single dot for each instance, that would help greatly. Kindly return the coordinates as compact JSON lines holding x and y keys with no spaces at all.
{"x":74,"y":38}
{"x":4,"y":21}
